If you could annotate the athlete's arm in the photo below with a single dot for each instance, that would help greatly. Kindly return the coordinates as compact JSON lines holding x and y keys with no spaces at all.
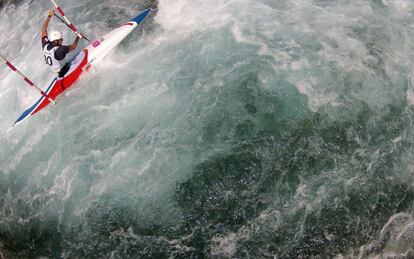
{"x":74,"y":44}
{"x":46,"y":23}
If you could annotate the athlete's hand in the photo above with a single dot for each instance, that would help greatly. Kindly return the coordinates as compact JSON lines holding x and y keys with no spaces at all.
{"x":51,"y":12}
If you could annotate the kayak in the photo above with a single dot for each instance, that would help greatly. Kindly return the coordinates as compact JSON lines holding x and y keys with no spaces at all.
{"x":83,"y":61}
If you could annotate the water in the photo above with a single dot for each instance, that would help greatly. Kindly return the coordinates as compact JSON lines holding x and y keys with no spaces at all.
{"x":227,"y":129}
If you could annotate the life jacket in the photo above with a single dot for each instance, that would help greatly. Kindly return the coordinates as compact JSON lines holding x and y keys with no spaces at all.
{"x":54,"y":64}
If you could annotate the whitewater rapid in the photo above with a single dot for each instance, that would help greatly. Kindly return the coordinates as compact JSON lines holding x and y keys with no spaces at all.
{"x":219,"y":129}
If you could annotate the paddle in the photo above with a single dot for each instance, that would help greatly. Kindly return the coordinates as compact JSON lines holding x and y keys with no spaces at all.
{"x":71,"y":27}
{"x":26,"y":79}
{"x":67,"y":22}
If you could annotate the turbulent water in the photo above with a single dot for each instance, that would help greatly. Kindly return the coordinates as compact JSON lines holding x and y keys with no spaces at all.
{"x":226,"y":129}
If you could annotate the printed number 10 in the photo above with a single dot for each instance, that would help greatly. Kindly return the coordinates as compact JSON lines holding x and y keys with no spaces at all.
{"x":48,"y":60}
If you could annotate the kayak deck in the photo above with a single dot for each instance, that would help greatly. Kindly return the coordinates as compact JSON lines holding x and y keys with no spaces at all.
{"x":58,"y":86}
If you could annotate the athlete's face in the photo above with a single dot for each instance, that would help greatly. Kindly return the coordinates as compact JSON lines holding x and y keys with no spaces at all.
{"x":60,"y":42}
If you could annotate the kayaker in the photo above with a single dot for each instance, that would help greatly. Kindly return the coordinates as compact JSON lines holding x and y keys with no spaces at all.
{"x":53,"y":50}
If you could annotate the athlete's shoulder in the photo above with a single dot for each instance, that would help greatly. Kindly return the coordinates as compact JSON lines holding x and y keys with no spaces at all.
{"x":45,"y":41}
{"x":61,"y":52}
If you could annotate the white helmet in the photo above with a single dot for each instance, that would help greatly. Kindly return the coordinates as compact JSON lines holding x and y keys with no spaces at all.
{"x":54,"y":35}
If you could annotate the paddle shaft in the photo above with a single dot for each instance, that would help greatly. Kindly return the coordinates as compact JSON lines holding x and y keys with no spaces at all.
{"x":70,"y":27}
{"x":68,"y":23}
{"x":10,"y":65}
